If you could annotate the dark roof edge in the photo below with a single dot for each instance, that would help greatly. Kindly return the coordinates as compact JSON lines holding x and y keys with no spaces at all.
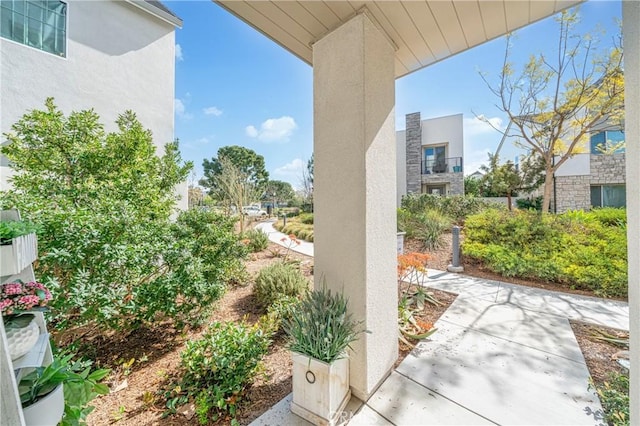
{"x":158,"y":10}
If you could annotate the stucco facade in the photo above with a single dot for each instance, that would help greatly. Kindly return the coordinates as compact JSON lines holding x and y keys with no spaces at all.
{"x":119,"y":57}
{"x":430,"y":156}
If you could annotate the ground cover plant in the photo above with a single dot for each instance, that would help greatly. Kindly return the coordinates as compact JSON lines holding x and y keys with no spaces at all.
{"x":614,"y":396}
{"x":581,"y":250}
{"x":301,"y":226}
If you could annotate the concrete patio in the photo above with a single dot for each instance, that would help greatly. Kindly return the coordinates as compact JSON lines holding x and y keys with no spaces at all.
{"x":503,"y":354}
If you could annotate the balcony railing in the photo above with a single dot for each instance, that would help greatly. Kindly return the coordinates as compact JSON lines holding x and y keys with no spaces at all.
{"x":442,"y":165}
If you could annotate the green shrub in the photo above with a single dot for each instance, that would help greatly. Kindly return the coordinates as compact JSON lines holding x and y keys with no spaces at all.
{"x":431,"y":226}
{"x":427,"y":226}
{"x":614,"y":396}
{"x":278,"y":280}
{"x":109,"y":251}
{"x":584,"y":250}
{"x":610,"y":216}
{"x":406,"y":223}
{"x":457,"y":207}
{"x":219,"y":366}
{"x":258,"y":240}
{"x":530,"y":203}
{"x":278,"y":312}
{"x":212,"y":240}
{"x":306,"y":218}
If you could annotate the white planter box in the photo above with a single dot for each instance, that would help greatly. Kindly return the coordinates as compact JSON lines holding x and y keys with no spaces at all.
{"x":22,"y":252}
{"x":320,"y":390}
{"x":46,"y":412}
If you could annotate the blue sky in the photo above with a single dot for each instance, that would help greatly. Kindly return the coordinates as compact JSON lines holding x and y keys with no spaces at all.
{"x":235,"y":86}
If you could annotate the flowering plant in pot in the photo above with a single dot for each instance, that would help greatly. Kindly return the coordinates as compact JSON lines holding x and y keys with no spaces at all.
{"x":17,"y":300}
{"x":319,"y":331}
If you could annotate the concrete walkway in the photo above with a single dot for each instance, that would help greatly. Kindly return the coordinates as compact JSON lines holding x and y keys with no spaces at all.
{"x":503,"y":354}
{"x":304,"y":247}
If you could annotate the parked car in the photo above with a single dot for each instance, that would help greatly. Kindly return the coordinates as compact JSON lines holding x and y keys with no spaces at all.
{"x":253,"y":211}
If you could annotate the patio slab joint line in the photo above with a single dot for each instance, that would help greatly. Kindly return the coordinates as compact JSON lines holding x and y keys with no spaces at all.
{"x":442,"y":396}
{"x":517,"y":343}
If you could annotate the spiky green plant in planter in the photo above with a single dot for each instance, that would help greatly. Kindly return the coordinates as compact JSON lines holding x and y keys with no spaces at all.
{"x":319,"y":331}
{"x":320,"y":326}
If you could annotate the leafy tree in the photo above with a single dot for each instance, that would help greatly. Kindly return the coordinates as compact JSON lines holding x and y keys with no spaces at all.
{"x":249,"y":164}
{"x":234,"y":187}
{"x":505,"y":180}
{"x":196,"y":196}
{"x":103,"y":202}
{"x":307,"y":183}
{"x":553,"y":103}
{"x":279,"y":191}
{"x":310,"y":165}
{"x":472,"y":186}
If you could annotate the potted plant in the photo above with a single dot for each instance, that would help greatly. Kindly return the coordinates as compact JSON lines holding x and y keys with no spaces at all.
{"x":17,"y":300}
{"x":60,"y":388}
{"x":18,"y":246}
{"x":319,"y":332}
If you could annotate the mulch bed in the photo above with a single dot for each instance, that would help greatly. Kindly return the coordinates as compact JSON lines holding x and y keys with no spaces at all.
{"x":156,"y":352}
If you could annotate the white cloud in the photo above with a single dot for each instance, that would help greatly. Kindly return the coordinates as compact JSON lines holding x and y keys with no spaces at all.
{"x":179,"y":56}
{"x":212,"y":111}
{"x":273,"y":129}
{"x":251,"y":131}
{"x":475,"y":159}
{"x":202,"y":141}
{"x":475,"y":126}
{"x":291,"y":172}
{"x":181,"y":110}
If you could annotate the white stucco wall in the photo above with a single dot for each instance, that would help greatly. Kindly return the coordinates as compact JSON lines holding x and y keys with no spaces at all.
{"x":578,"y":165}
{"x":118,"y":58}
{"x":446,"y":129}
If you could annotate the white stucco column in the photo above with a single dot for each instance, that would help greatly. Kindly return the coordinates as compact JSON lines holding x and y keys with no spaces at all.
{"x":355,"y":188}
{"x":631,"y":34}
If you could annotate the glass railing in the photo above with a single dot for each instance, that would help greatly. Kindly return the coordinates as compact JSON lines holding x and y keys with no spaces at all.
{"x":442,"y":165}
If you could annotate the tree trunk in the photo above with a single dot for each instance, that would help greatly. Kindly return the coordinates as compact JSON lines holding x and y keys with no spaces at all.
{"x":548,"y":186}
{"x":509,"y":201}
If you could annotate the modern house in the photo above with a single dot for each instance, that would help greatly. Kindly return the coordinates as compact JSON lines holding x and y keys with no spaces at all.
{"x":430,"y":156}
{"x":107,"y":55}
{"x":593,"y":179}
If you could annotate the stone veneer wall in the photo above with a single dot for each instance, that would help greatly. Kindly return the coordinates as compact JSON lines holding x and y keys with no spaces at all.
{"x":455,"y":181}
{"x":414,"y":153}
{"x":574,"y":192}
{"x":607,"y":169}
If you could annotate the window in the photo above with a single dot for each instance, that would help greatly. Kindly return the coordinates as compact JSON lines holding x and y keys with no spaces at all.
{"x":608,"y":196}
{"x":435,"y":159}
{"x":40,"y":24}
{"x":607,"y":140}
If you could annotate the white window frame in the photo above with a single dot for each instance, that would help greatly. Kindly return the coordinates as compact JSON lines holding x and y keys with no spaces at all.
{"x":25,"y":42}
